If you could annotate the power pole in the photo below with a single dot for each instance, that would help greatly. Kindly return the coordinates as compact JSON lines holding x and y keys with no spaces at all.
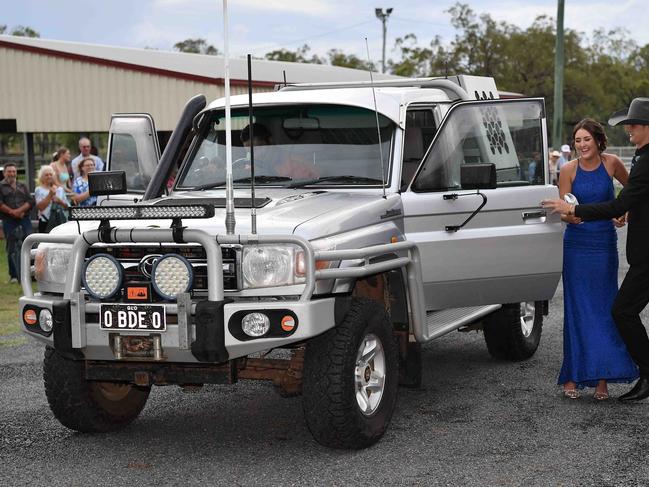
{"x":383,"y":17}
{"x":557,"y":118}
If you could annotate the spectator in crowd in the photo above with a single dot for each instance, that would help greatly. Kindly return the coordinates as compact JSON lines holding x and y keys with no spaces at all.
{"x":566,"y":156}
{"x":50,"y":201}
{"x":15,"y":203}
{"x":554,"y":158}
{"x":82,"y":194}
{"x":62,"y":169}
{"x":533,"y":167}
{"x":84,"y":147}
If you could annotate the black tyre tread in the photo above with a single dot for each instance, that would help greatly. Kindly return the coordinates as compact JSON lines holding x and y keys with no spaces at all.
{"x":70,"y":398}
{"x":330,"y":409}
{"x":503,"y":335}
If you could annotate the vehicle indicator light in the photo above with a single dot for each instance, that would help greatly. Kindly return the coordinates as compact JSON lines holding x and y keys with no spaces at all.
{"x":288,"y":323}
{"x":29,"y":317}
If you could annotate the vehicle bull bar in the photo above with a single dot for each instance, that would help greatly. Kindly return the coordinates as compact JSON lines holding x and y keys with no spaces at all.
{"x":211,"y":244}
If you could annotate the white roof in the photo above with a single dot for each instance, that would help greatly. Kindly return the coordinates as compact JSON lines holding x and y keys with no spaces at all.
{"x":199,"y":65}
{"x":388,"y":100}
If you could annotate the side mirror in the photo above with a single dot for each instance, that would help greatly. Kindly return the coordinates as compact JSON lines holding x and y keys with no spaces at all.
{"x":106,"y":183}
{"x":478,"y":176}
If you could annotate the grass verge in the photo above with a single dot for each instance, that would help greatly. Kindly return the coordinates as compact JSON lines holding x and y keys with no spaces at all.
{"x":9,"y":294}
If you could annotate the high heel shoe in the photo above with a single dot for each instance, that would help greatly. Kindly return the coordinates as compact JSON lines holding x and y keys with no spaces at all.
{"x":571,"y":393}
{"x":600,"y":396}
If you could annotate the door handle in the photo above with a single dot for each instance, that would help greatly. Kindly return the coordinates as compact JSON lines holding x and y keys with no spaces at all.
{"x":530,"y":215}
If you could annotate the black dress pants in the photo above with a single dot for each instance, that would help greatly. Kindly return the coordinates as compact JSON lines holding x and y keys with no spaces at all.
{"x":631,"y":299}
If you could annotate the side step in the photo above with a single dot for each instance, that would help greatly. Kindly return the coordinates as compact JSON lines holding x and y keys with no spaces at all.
{"x":443,"y":321}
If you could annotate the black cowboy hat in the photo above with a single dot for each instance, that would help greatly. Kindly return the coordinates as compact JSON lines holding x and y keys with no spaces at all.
{"x":637,"y":113}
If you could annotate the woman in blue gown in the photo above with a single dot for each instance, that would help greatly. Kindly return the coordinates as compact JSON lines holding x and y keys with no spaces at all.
{"x":593,"y":351}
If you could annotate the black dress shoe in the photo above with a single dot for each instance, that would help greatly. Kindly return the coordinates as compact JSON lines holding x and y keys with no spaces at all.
{"x":639,"y":392}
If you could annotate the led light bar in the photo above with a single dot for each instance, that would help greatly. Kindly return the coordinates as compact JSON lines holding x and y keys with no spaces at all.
{"x":140,"y":212}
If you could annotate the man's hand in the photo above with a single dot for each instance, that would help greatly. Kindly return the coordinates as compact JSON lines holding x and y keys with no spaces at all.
{"x":571,"y":219}
{"x":619,"y":222}
{"x":559,"y":206}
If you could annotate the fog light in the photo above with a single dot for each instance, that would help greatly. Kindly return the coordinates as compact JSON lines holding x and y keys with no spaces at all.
{"x":255,"y":324}
{"x":45,"y":320}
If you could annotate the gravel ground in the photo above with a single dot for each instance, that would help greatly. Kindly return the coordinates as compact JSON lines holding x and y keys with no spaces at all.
{"x":474,"y":421}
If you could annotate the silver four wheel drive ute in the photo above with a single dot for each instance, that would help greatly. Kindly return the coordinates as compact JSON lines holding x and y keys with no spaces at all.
{"x":372,"y":227}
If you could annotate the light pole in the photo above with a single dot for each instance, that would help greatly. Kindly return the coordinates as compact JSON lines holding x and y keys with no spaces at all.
{"x":383,"y":17}
{"x":557,"y":117}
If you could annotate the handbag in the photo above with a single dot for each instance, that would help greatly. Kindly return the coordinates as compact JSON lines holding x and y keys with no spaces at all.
{"x":57,"y":217}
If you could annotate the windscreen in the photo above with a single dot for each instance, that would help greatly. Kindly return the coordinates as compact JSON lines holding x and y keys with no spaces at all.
{"x":311,"y":144}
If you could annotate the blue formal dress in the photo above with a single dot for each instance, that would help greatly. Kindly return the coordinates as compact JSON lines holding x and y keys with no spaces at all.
{"x":592,"y":346}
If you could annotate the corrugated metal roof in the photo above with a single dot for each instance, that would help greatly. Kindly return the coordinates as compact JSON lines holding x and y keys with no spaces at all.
{"x":200,"y":66}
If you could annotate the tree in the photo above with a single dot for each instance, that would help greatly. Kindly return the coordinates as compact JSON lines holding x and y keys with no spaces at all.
{"x":339,"y":58}
{"x":196,"y":46}
{"x":20,"y":30}
{"x":300,"y":55}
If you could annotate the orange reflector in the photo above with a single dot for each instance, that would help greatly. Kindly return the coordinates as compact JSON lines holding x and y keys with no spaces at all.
{"x":288,"y":323}
{"x":29,"y":316}
{"x":141,"y":293}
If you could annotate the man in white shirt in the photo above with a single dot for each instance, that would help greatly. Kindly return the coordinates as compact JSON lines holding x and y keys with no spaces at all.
{"x":84,"y":147}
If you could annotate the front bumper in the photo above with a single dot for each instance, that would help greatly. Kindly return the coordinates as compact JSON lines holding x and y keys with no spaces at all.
{"x":200,"y":333}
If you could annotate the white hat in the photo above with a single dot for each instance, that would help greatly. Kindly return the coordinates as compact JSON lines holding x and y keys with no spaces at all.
{"x":565,"y":148}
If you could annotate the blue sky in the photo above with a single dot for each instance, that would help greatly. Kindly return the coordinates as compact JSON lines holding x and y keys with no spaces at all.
{"x":259,"y":26}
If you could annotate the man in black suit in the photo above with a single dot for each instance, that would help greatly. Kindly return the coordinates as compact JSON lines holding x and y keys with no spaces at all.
{"x":633,"y":295}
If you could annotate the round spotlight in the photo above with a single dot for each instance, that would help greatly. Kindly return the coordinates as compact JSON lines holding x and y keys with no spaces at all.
{"x":255,"y":324}
{"x":172,"y":275}
{"x":45,"y":320}
{"x":102,"y":276}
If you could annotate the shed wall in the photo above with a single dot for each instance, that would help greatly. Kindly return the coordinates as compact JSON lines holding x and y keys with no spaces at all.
{"x":50,"y":94}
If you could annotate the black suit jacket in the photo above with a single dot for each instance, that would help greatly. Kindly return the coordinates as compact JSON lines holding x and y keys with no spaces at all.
{"x":633,"y":198}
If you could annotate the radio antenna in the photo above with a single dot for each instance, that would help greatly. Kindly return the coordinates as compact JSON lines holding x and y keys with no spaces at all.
{"x":376,"y":113}
{"x":285,"y":83}
{"x":253,"y":209}
{"x":229,"y":185}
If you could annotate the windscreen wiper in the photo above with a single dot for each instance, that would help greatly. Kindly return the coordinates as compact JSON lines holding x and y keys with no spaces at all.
{"x":258,"y":179}
{"x":343,"y":178}
{"x":263,"y":179}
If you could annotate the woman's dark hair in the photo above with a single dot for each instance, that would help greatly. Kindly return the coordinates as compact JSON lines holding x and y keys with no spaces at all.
{"x":82,"y":171}
{"x":594,"y":128}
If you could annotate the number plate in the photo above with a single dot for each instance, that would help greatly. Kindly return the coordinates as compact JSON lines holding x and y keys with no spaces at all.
{"x":125,"y":317}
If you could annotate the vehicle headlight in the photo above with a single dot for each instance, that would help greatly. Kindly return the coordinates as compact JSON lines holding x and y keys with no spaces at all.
{"x":269,"y":265}
{"x":52,"y":264}
{"x":102,"y":276}
{"x":172,"y":275}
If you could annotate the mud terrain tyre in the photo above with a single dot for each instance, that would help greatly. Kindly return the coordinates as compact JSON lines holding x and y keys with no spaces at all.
{"x":88,"y":406}
{"x":514,"y":331}
{"x":351,"y":377}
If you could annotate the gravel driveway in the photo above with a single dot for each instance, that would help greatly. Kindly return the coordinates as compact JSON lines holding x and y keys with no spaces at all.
{"x":474,"y":421}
